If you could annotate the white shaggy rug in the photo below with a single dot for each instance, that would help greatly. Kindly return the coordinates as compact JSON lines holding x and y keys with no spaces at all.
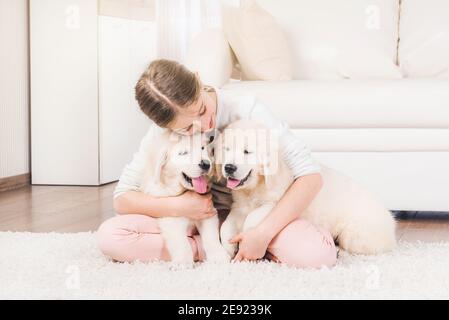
{"x":70,"y":266}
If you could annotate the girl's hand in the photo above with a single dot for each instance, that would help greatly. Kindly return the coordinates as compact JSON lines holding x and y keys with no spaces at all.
{"x":194,"y":206}
{"x":253,"y":244}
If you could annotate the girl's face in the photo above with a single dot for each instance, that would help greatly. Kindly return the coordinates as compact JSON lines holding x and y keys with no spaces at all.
{"x":199,"y":117}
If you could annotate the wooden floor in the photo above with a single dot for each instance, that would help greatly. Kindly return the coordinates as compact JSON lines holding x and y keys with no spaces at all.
{"x":55,"y":208}
{"x":77,"y":209}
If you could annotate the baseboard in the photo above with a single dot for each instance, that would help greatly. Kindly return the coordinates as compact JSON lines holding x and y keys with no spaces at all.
{"x":15,"y":182}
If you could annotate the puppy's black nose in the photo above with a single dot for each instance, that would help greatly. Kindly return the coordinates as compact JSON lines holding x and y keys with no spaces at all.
{"x":230,"y":168}
{"x":205,"y":165}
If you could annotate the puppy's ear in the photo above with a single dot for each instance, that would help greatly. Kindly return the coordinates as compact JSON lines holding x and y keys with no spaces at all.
{"x":211,"y":156}
{"x":268,"y":176}
{"x":212,"y":174}
{"x":156,"y":159}
{"x":269,"y":160}
{"x":217,"y":172}
{"x":270,"y":179}
{"x":160,"y":161}
{"x":218,"y":157}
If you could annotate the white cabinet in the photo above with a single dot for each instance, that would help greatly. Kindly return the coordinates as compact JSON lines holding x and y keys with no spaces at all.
{"x":85,"y":122}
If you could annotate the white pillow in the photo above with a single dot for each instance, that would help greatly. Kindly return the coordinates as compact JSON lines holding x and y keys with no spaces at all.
{"x":334,"y":39}
{"x":258,"y":42}
{"x":210,"y":55}
{"x":424,"y":34}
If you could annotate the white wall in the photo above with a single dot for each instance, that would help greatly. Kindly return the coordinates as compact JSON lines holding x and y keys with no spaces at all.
{"x":14,"y":95}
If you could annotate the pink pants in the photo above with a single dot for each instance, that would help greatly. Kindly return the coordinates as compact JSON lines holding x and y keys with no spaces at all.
{"x":137,"y":237}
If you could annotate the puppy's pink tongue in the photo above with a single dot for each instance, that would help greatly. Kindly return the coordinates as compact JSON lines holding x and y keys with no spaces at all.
{"x":200,"y":184}
{"x":232,"y":183}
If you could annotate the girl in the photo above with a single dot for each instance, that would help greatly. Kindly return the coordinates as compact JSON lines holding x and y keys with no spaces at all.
{"x":173,"y":97}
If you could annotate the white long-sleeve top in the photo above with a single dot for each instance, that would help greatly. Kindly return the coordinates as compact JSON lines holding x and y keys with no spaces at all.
{"x":231,"y":107}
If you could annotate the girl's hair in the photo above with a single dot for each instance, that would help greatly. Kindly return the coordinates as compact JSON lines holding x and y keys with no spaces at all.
{"x":165,"y":87}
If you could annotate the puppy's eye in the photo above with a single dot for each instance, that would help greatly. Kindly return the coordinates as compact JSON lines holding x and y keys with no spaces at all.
{"x":246,"y":152}
{"x":202,"y":148}
{"x":182,"y":153}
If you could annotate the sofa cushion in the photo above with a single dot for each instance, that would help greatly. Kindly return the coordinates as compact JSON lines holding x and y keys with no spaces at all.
{"x":258,"y":42}
{"x":209,"y":54}
{"x":405,"y":103}
{"x":424,"y":34}
{"x":334,"y":39}
{"x":375,"y":139}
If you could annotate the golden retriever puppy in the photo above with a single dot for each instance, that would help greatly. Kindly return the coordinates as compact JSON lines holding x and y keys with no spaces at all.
{"x":180,"y":163}
{"x":259,"y":177}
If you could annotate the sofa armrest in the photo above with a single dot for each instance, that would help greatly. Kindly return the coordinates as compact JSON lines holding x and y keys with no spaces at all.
{"x":211,"y":56}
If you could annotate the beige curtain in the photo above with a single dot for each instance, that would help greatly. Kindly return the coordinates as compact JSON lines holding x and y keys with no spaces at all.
{"x":179,"y":21}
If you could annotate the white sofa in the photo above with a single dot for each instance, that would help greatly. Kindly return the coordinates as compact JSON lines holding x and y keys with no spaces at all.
{"x":387,"y":129}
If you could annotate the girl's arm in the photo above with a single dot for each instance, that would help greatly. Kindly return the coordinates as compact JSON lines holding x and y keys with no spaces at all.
{"x":189,"y":204}
{"x":133,"y":202}
{"x":297,"y":198}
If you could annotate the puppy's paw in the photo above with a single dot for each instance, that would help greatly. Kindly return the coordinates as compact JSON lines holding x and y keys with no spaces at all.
{"x":218,"y":255}
{"x":182,"y":259}
{"x":231,"y":249}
